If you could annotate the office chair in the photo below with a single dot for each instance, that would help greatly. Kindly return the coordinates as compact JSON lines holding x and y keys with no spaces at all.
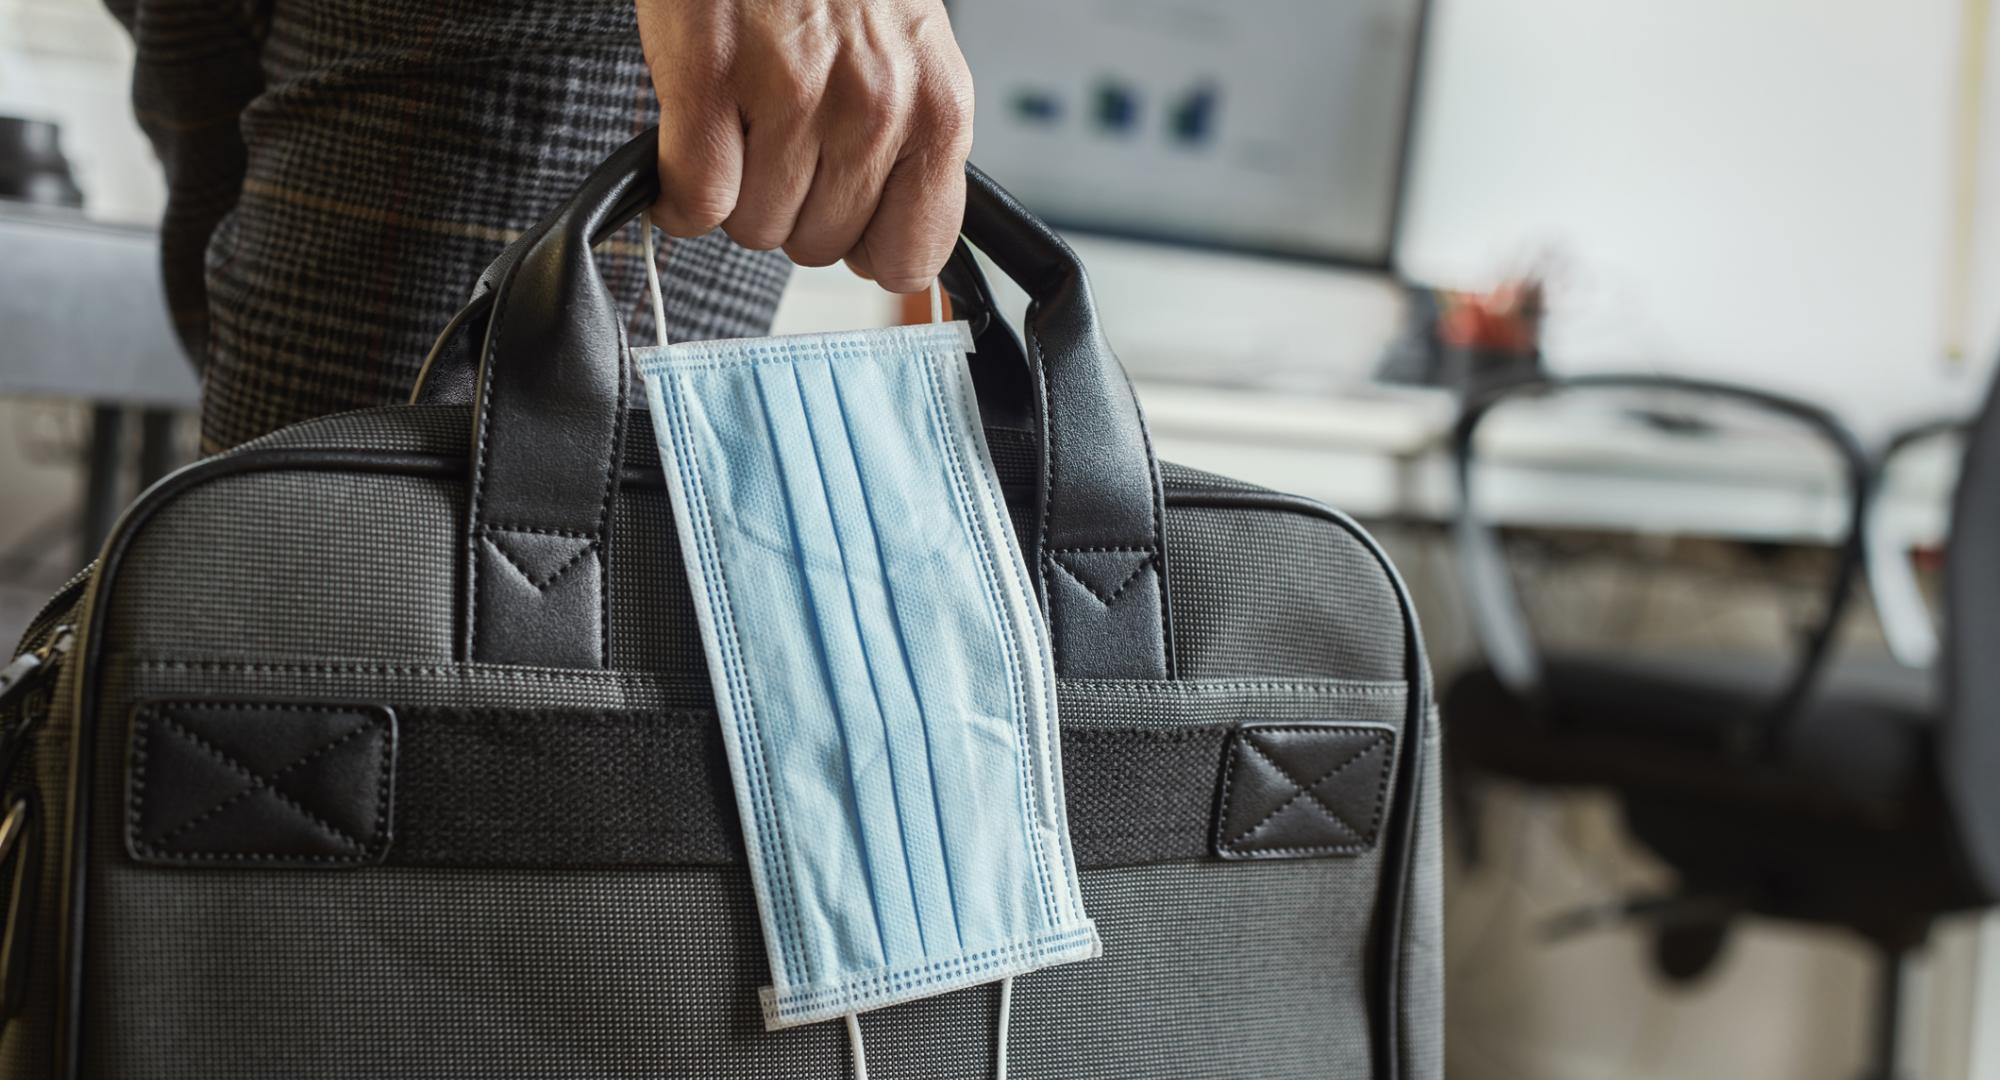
{"x":1829,"y":790}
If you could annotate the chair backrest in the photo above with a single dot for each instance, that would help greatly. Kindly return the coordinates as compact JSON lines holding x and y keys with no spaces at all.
{"x":1969,"y":739}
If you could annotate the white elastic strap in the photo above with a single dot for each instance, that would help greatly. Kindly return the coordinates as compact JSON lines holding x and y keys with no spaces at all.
{"x":860,"y":1053}
{"x":854,"y":1046}
{"x":1000,"y":1041}
{"x":937,"y":302}
{"x":653,"y":281}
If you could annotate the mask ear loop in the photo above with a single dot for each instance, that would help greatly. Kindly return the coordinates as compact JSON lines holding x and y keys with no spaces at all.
{"x":855,"y":1048}
{"x":859,"y":1052}
{"x":1000,"y":1039}
{"x":653,"y":279}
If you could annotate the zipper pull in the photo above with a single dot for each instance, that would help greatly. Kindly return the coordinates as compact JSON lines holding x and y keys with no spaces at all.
{"x":31,"y":668}
{"x":28,"y":670}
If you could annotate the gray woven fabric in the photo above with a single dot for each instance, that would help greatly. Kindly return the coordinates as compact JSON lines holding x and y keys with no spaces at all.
{"x":1209,"y":971}
{"x":1264,"y":593}
{"x":652,"y":615}
{"x":314,"y":577}
{"x":1089,"y":701}
{"x":1212,"y":969}
{"x":340,"y":171}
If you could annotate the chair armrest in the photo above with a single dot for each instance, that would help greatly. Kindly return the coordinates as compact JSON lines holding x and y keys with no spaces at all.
{"x":1497,"y":620}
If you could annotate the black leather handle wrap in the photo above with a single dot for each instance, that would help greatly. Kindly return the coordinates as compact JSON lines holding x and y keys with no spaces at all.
{"x":551,"y":394}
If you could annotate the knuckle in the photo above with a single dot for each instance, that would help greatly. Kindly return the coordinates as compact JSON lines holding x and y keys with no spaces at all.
{"x":950,"y":89}
{"x":693,"y":213}
{"x":810,"y":253}
{"x":948,"y":118}
{"x":865,"y":106}
{"x":904,"y":272}
{"x":755,"y":235}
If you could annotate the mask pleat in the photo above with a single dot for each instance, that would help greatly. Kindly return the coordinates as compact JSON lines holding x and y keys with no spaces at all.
{"x":851,"y":492}
{"x":1041,"y":805}
{"x":682,"y":419}
{"x":795,"y":721}
{"x":843,"y":662}
{"x":972,"y":738}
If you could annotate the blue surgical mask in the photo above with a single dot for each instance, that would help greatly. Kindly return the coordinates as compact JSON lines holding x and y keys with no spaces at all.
{"x":880,"y":666}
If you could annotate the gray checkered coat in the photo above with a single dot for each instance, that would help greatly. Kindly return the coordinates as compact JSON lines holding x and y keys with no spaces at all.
{"x":339,"y":172}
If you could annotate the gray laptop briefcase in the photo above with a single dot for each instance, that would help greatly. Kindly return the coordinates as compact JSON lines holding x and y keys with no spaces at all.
{"x":302,"y":781}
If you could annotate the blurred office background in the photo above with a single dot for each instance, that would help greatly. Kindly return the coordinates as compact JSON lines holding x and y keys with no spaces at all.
{"x":1313,"y":225}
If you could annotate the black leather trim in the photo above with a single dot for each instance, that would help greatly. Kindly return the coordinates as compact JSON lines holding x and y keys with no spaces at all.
{"x":999,"y":364}
{"x":1399,"y":830}
{"x":1295,"y":790}
{"x":450,"y":374}
{"x":259,"y":783}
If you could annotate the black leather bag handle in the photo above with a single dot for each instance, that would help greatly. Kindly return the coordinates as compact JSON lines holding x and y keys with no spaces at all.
{"x":550,"y":396}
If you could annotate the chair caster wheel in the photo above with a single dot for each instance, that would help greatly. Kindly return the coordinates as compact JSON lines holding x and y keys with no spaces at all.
{"x":1684,"y":952}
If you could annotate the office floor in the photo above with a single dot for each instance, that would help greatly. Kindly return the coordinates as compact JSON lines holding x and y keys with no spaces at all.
{"x":1780,"y":1003}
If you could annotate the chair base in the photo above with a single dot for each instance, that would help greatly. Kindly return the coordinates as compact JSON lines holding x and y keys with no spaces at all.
{"x":1886,"y":1042}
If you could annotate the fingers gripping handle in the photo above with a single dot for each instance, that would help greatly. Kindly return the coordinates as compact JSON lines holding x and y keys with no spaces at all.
{"x":551,"y":395}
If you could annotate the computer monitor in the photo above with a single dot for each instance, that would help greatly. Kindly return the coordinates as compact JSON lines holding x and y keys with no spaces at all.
{"x":1272,"y":127}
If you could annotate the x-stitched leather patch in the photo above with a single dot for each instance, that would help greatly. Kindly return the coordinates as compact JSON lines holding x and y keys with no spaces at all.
{"x":269,"y":784}
{"x":1297,"y":790}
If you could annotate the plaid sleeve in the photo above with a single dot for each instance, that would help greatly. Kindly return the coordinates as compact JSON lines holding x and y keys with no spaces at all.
{"x":341,"y":170}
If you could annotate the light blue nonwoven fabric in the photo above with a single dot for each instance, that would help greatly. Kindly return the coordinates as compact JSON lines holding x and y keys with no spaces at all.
{"x":880,"y":665}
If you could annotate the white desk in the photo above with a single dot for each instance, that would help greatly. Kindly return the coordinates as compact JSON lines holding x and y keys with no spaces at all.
{"x":1383,"y":452}
{"x":84,"y":315}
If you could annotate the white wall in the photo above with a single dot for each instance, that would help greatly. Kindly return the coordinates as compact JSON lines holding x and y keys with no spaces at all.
{"x":1985,"y":299}
{"x":1749,"y":188}
{"x":69,"y":62}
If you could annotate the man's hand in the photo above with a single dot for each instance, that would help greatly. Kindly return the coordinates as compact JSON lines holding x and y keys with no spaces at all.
{"x":835,"y":129}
